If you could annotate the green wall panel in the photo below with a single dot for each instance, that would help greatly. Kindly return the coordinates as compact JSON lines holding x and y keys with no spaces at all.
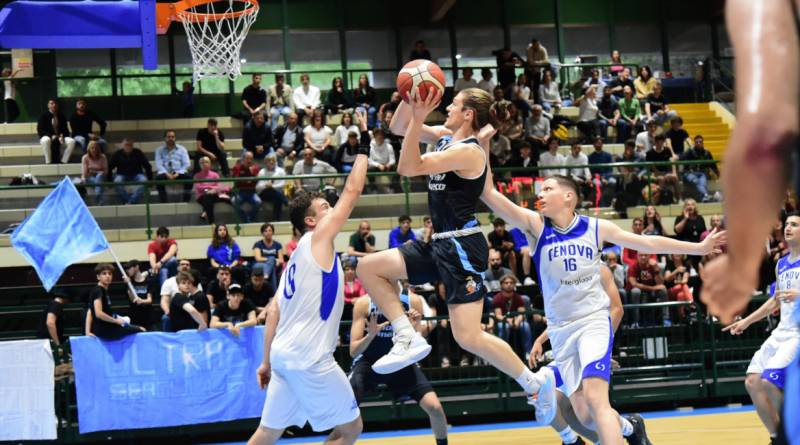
{"x":269,"y":15}
{"x":530,"y":12}
{"x":313,"y":14}
{"x":476,"y":12}
{"x":584,"y":11}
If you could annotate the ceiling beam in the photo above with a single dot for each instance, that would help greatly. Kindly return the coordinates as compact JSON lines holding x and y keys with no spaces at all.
{"x":439,"y":9}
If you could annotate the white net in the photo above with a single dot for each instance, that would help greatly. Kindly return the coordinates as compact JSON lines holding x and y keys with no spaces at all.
{"x":215,"y":32}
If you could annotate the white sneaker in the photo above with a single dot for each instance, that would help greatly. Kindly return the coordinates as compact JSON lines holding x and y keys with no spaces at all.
{"x":544,"y":401}
{"x":405,"y":352}
{"x":528,"y":281}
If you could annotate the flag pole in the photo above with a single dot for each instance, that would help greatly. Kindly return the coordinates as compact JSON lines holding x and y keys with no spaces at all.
{"x":124,"y":275}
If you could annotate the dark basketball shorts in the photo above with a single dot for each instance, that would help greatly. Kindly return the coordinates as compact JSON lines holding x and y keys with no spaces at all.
{"x":457,"y":262}
{"x":407,"y":383}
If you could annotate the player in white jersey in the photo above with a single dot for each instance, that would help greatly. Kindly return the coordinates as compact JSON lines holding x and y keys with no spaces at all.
{"x":767,"y":371}
{"x":567,"y":256}
{"x":304,"y":383}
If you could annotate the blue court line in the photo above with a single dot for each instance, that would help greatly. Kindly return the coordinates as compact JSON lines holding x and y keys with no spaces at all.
{"x":512,"y":425}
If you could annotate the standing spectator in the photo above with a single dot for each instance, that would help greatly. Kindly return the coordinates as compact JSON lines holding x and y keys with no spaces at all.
{"x":346,"y":155}
{"x":629,"y":109}
{"x":496,"y":271}
{"x":656,"y":107}
{"x":507,"y":62}
{"x":105,"y":324}
{"x":652,"y":222}
{"x":514,"y":329}
{"x":218,"y":287}
{"x":259,"y":292}
{"x":268,"y":255}
{"x":187,"y":99}
{"x":645,"y":83}
{"x":209,"y":193}
{"x":53,"y":133}
{"x":552,"y":158}
{"x":271,"y":190}
{"x":94,"y":170}
{"x":465,"y":81}
{"x":677,"y":136}
{"x":617,"y":66}
{"x":80,"y":124}
{"x":10,"y":95}
{"x":338,"y":100}
{"x":254,"y":99}
{"x":131,"y":165}
{"x":537,"y":53}
{"x":257,"y":137}
{"x":162,"y":255}
{"x":698,"y":175}
{"x":366,"y":101}
{"x":608,"y":108}
{"x":246,"y":190}
{"x":51,"y":323}
{"x":580,"y":175}
{"x":420,"y":51}
{"x":646,"y":286}
{"x":172,"y":162}
{"x":289,"y":139}
{"x":306,"y":99}
{"x":623,"y":80}
{"x":318,"y":138}
{"x":537,"y":130}
{"x":311,"y":166}
{"x":353,"y":289}
{"x":141,"y":302}
{"x":235,"y":312}
{"x":689,"y":225}
{"x":346,"y":127}
{"x":677,"y":274}
{"x":589,"y":121}
{"x":183,"y":313}
{"x":666,"y":175}
{"x":280,"y":100}
{"x":362,"y":241}
{"x":486,"y":83}
{"x":502,"y":241}
{"x":549,"y":94}
{"x":210,"y":142}
{"x":401,"y":234}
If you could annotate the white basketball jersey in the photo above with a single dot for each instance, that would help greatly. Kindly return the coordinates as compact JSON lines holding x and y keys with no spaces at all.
{"x":311,"y":300}
{"x":788,"y":277}
{"x":568,"y":265}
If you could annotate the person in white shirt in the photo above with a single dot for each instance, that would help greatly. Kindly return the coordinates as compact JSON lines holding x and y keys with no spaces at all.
{"x":271,"y":190}
{"x":381,"y":158}
{"x":306,"y":98}
{"x":169,"y":289}
{"x":537,"y":128}
{"x":589,"y":122}
{"x":646,"y":139}
{"x":465,"y":81}
{"x":346,"y":127}
{"x":552,"y":158}
{"x":549,"y":94}
{"x":486,"y":83}
{"x":10,"y":95}
{"x":581,"y":175}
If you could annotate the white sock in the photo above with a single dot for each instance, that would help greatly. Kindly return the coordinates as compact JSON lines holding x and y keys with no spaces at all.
{"x":402,"y":327}
{"x":568,"y":436}
{"x":529,"y":381}
{"x":627,"y":427}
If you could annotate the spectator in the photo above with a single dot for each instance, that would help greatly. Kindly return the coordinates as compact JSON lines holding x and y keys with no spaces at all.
{"x":183,"y":313}
{"x":715,"y":222}
{"x":401,"y":234}
{"x":362,"y":241}
{"x":289,"y":139}
{"x":548,"y":93}
{"x":162,"y":255}
{"x":523,"y":250}
{"x":420,"y":51}
{"x":53,"y":134}
{"x":486,"y":83}
{"x":257,"y":137}
{"x":306,"y":99}
{"x":94,"y":170}
{"x":271,"y":190}
{"x":600,"y":156}
{"x":338,"y":100}
{"x":366,"y":101}
{"x":210,"y":142}
{"x":391,"y":106}
{"x":698,"y":175}
{"x":521,"y":96}
{"x":622,"y":80}
{"x":589,"y":121}
{"x":105,"y":324}
{"x":318,"y":138}
{"x":630,"y":256}
{"x":594,"y":80}
{"x":268,"y":255}
{"x":617,"y":68}
{"x":209,"y":193}
{"x":656,"y":108}
{"x":218,"y":287}
{"x":465,"y":81}
{"x":580,"y":175}
{"x":646,"y":286}
{"x":552,"y":158}
{"x":689,"y":225}
{"x":254,"y":99}
{"x":170,"y":288}
{"x":141,"y":302}
{"x":172,"y":162}
{"x":609,"y":111}
{"x":666,"y":175}
{"x":510,"y":121}
{"x":630,"y":155}
{"x":537,"y":130}
{"x":507,"y":62}
{"x":10,"y":95}
{"x":525,"y":160}
{"x":246,"y":190}
{"x":537,"y":53}
{"x":496,"y":271}
{"x":51,"y":323}
{"x":200,"y":300}
{"x":80,"y":124}
{"x":618,"y":272}
{"x":502,"y":241}
{"x":645,"y":140}
{"x":280,"y":100}
{"x":677,"y":274}
{"x":353,"y":289}
{"x":187,"y":99}
{"x":131,"y":165}
{"x":514,"y":329}
{"x":381,"y":153}
{"x":259,"y":292}
{"x":645,"y":83}
{"x":311,"y":166}
{"x":652,"y":222}
{"x":235,"y":312}
{"x":292,"y":243}
{"x":346,"y":127}
{"x":677,"y":136}
{"x":629,"y":109}
{"x":500,"y":150}
{"x":425,"y":232}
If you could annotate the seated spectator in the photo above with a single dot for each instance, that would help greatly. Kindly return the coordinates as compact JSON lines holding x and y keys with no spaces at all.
{"x":306,"y":99}
{"x":170,"y":288}
{"x":183,"y":312}
{"x":289,"y":139}
{"x":646,"y":286}
{"x":338,"y":100}
{"x":502,"y":241}
{"x":514,"y":329}
{"x":420,"y":51}
{"x":581,"y":175}
{"x":365,"y":100}
{"x":537,"y":130}
{"x":618,"y":272}
{"x":689,"y":225}
{"x":268,"y":254}
{"x":271,"y":190}
{"x":496,"y":271}
{"x":51,"y":322}
{"x":94,"y":170}
{"x":510,"y":122}
{"x":280,"y":100}
{"x":311,"y":166}
{"x":391,"y":106}
{"x":631,"y":182}
{"x":105,"y":324}
{"x":257,"y":137}
{"x":362,"y":241}
{"x":318,"y":138}
{"x":254,"y":99}
{"x":425,"y":232}
{"x":594,"y":80}
{"x":211,"y":143}
{"x":235,"y":312}
{"x":396,"y":140}
{"x":53,"y":134}
{"x":499,"y":150}
{"x":600,"y":156}
{"x":622,"y":80}
{"x":162,"y":255}
{"x":589,"y":121}
{"x":698,"y":175}
{"x":678,"y":137}
{"x":381,"y":154}
{"x":524,"y":160}
{"x":644,"y":84}
{"x":465,"y":81}
{"x":346,"y":127}
{"x":656,"y":107}
{"x":676,"y":275}
{"x":80,"y":124}
{"x":218,"y":287}
{"x":223,"y":251}
{"x":200,"y":300}
{"x":259,"y":292}
{"x":209,"y":193}
{"x":402,"y":234}
{"x":486,"y":83}
{"x":652,"y":222}
{"x":551,"y":158}
{"x":549,"y":94}
{"x":346,"y":155}
{"x":129,"y":164}
{"x":630,"y":256}
{"x":141,"y":302}
{"x":172,"y":162}
{"x":666,"y":175}
{"x":609,"y":111}
{"x":353,"y":289}
{"x":629,"y":109}
{"x":715,"y":222}
{"x":291,"y":245}
{"x":645,"y":140}
{"x":245,"y":191}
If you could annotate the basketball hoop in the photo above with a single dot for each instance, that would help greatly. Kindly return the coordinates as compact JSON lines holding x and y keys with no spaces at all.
{"x":215,"y":30}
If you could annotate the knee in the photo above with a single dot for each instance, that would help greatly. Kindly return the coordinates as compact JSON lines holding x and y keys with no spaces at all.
{"x":753,"y":383}
{"x":433,"y":407}
{"x":468,"y":339}
{"x":352,"y":430}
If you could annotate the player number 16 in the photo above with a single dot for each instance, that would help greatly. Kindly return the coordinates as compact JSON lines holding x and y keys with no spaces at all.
{"x":570,"y":265}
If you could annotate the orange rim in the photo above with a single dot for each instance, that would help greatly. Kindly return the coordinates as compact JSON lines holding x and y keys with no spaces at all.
{"x":170,"y":12}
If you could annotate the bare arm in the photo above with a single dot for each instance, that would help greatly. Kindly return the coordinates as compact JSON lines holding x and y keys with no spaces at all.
{"x":402,"y":118}
{"x":270,"y":327}
{"x":613,"y":294}
{"x":51,"y":327}
{"x":98,"y":310}
{"x":217,"y":324}
{"x":257,"y":255}
{"x":173,"y":250}
{"x":359,"y":342}
{"x":767,"y":308}
{"x":251,"y":320}
{"x":87,"y":327}
{"x":196,"y":316}
{"x":612,"y":233}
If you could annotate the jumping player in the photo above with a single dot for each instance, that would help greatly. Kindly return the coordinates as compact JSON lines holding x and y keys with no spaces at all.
{"x":303,"y":381}
{"x":458,"y":253}
{"x":407,"y":383}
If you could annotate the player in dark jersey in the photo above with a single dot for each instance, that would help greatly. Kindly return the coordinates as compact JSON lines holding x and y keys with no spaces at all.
{"x":458,"y":253}
{"x":370,"y":339}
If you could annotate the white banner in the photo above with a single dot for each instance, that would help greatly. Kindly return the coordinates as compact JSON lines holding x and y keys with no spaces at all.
{"x":27,"y":391}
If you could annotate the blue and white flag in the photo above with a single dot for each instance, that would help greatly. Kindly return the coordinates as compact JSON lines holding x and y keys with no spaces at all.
{"x":60,"y":232}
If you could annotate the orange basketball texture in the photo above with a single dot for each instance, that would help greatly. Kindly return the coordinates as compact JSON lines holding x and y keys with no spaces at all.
{"x":422,"y":74}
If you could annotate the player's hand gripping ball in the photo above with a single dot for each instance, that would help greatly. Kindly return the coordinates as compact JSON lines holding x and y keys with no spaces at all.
{"x":420,"y":74}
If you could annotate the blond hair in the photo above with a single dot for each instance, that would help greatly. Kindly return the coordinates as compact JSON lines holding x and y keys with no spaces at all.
{"x":479,"y":101}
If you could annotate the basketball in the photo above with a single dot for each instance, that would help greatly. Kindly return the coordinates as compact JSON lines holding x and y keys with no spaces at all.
{"x":421,"y":74}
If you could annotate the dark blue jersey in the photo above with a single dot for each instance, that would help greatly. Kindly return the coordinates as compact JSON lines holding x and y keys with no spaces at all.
{"x":452,"y":199}
{"x":382,"y":343}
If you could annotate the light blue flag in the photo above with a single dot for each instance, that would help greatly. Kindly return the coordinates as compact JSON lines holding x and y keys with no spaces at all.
{"x":61,"y":231}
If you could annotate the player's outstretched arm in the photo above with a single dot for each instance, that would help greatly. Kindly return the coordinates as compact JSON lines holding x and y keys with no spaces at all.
{"x":612,"y":233}
{"x":402,"y":117}
{"x":610,"y":287}
{"x":767,"y":308}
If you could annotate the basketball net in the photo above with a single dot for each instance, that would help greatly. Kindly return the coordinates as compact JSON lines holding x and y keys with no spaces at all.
{"x":215,"y":36}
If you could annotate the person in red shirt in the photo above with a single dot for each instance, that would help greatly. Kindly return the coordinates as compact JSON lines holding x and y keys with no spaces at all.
{"x":516,"y":326}
{"x":163,"y":255}
{"x":246,"y":190}
{"x":630,"y":256}
{"x":646,"y":286}
{"x":353,"y":290}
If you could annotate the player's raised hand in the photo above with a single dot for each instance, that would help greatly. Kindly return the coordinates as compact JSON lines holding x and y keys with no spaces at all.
{"x":420,"y":107}
{"x":736,"y":328}
{"x":727,"y":288}
{"x":714,"y":241}
{"x":361,"y":118}
{"x":263,"y":375}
